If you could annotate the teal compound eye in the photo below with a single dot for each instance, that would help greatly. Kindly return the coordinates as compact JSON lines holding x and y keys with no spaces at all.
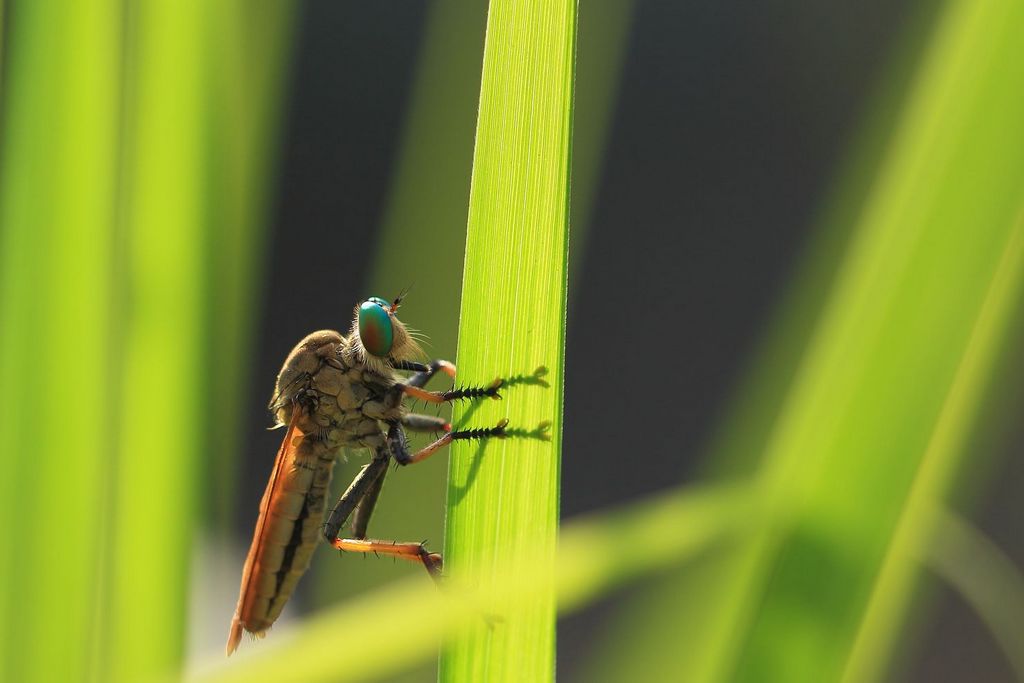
{"x":375,"y":328}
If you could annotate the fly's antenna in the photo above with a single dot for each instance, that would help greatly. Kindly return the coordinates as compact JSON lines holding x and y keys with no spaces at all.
{"x":398,"y":300}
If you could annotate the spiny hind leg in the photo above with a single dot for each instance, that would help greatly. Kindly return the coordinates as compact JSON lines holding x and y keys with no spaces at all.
{"x":398,"y":447}
{"x":363,"y":484}
{"x":359,"y":499}
{"x":364,"y":510}
{"x":414,"y":552}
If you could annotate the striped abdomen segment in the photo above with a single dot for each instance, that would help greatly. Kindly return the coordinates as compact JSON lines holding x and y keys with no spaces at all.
{"x":287,"y":532}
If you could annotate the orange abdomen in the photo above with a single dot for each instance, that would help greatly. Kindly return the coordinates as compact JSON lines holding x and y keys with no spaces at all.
{"x":287,"y":533}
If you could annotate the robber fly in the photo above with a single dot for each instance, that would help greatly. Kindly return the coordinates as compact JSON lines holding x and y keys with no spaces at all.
{"x":335,"y":391}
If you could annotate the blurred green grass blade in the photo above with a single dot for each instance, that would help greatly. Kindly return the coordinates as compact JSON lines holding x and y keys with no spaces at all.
{"x":917,"y":526}
{"x":248,"y":59}
{"x":684,"y":606}
{"x":3,"y":21}
{"x":899,"y":324}
{"x":889,"y":390}
{"x":672,"y":528}
{"x":430,"y":188}
{"x":163,"y":402}
{"x":599,"y":552}
{"x":735,"y":447}
{"x":866,"y":397}
{"x":503,"y":497}
{"x":58,"y":178}
{"x":984,"y":576}
{"x":603,"y":39}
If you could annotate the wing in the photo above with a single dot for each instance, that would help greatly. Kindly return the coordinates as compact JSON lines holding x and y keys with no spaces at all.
{"x":285,"y":536}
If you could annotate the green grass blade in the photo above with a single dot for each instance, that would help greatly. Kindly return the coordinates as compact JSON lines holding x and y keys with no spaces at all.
{"x":155,"y":478}
{"x":503,"y":498}
{"x":673,"y":528}
{"x":103,"y":306}
{"x":58,"y":178}
{"x":868,"y":396}
{"x":735,"y":447}
{"x":3,"y":19}
{"x":868,"y":393}
{"x":901,"y":358}
{"x":603,"y":40}
{"x":917,"y":526}
{"x":242,"y":93}
{"x":248,"y":60}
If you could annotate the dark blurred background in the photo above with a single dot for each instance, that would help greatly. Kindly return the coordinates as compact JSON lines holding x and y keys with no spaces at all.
{"x":728,"y":125}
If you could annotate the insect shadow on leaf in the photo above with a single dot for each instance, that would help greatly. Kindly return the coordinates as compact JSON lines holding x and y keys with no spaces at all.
{"x":540,"y":433}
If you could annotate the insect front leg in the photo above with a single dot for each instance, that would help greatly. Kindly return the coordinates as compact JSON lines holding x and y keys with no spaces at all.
{"x":489,"y":391}
{"x":425,"y":372}
{"x":429,"y":423}
{"x":400,"y":446}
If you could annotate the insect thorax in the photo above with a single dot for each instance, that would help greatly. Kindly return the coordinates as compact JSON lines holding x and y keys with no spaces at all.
{"x":345,"y":401}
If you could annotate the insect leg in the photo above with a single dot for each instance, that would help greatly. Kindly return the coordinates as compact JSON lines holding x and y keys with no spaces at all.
{"x":425,"y":423}
{"x":361,"y":516}
{"x":361,"y":497}
{"x":362,"y":494}
{"x":418,"y":422}
{"x":415,"y":552}
{"x":490,"y":391}
{"x":355,"y":493}
{"x":425,"y":372}
{"x":400,"y":447}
